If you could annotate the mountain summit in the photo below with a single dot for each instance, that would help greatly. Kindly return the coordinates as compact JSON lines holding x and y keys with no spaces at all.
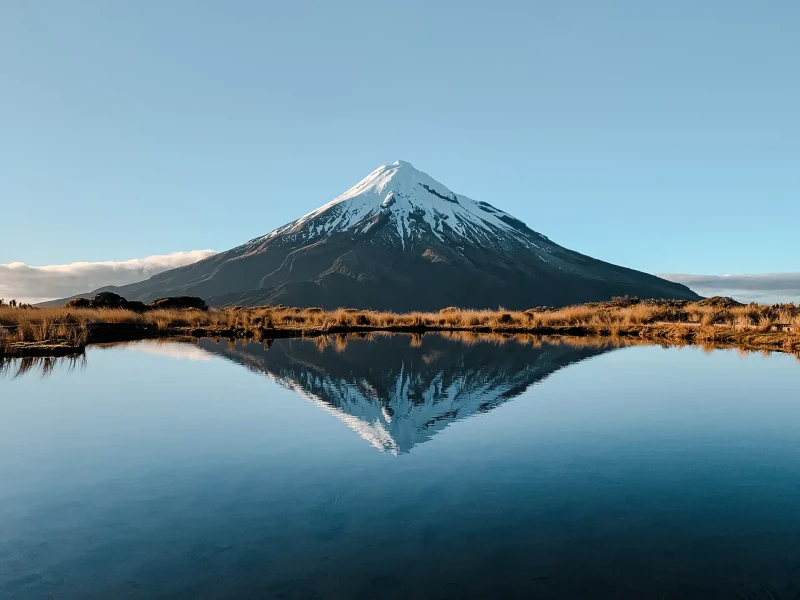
{"x":400,"y":240}
{"x":416,"y":207}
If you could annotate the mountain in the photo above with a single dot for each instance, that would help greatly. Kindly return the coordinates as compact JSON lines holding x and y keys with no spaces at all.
{"x":397,"y":393}
{"x":400,"y":240}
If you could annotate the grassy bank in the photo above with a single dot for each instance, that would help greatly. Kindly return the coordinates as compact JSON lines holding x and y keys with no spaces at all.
{"x":721,"y":321}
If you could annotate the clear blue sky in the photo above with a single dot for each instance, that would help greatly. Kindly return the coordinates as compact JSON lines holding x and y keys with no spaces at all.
{"x":660,"y":135}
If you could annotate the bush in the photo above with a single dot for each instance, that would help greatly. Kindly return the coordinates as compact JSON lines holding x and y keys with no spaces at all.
{"x":178,"y":302}
{"x":136,"y":306}
{"x":110,"y":300}
{"x":623,"y":302}
{"x":79,"y":303}
{"x":720,"y":302}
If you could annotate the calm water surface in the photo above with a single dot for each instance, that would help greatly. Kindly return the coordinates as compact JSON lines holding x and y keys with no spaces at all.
{"x":400,"y":468}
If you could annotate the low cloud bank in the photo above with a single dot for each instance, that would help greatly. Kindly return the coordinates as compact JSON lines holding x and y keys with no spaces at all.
{"x":39,"y":284}
{"x":767,"y":288}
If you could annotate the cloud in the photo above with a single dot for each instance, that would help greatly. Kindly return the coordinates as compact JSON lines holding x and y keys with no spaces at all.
{"x":766,"y":288}
{"x":173,"y":349}
{"x":37,"y":284}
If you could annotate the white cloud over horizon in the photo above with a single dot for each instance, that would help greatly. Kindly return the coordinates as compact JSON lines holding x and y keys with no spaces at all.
{"x":765,"y":288}
{"x":39,"y":284}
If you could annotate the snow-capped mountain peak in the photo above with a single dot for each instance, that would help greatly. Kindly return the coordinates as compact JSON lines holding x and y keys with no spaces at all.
{"x":400,"y":240}
{"x":406,"y":204}
{"x":398,"y":177}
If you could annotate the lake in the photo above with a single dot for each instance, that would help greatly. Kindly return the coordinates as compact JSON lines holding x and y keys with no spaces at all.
{"x":400,"y":467}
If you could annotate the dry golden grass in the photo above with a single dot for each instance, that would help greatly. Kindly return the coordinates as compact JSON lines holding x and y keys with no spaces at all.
{"x":675,"y":322}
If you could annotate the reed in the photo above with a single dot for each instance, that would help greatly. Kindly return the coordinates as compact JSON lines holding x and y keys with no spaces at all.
{"x":668,"y":320}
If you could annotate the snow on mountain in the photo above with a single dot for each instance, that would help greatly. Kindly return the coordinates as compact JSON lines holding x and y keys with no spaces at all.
{"x":414,"y":203}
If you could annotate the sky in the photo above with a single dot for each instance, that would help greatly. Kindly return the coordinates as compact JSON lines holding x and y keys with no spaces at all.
{"x":664,"y":136}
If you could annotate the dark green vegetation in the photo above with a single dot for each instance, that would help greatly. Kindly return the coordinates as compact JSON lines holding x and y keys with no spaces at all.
{"x":109,"y":300}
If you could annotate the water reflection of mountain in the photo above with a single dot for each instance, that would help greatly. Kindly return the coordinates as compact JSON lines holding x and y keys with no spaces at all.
{"x":397,"y":392}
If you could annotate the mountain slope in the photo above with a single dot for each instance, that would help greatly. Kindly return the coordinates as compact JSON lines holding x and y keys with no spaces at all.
{"x":400,"y":240}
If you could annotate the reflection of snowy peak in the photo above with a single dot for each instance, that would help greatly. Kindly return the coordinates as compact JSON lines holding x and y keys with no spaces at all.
{"x":395,"y":395}
{"x":415,"y":408}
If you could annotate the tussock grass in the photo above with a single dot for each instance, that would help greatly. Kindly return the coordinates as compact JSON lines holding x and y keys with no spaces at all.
{"x":676,"y":322}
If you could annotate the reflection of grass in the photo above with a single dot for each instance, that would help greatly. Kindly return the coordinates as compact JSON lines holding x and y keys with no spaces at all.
{"x":17,"y":367}
{"x":774,"y":327}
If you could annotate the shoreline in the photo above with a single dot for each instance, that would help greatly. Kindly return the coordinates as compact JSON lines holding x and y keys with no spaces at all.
{"x":720,"y":322}
{"x":665,"y":334}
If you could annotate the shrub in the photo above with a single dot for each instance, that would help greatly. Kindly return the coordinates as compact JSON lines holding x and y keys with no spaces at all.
{"x":79,"y":303}
{"x":107,"y":300}
{"x":720,"y":302}
{"x":179,"y":302}
{"x":136,"y":306}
